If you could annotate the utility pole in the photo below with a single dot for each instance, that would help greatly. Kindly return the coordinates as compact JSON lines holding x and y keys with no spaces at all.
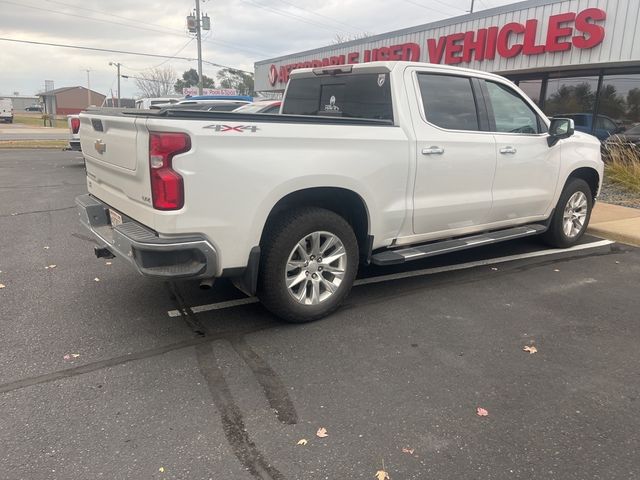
{"x":117,"y":65}
{"x":88,"y":89}
{"x":472,"y":2}
{"x":199,"y":40}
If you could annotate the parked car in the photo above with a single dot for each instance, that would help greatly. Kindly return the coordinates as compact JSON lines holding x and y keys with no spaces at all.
{"x":6,"y":110}
{"x":33,"y":108}
{"x":73,"y":121}
{"x":262,"y":106}
{"x":630,"y":137}
{"x":147,"y":103}
{"x":383,"y":163}
{"x":603,"y":128}
{"x":207,"y":105}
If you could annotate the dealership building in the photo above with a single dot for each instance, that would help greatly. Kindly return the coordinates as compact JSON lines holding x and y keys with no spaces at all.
{"x":577,"y":57}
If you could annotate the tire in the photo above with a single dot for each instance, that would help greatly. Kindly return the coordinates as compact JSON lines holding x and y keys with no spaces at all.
{"x":298,"y":292}
{"x":576,"y":193}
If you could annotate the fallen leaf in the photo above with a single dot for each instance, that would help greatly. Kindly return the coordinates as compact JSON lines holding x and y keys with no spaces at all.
{"x":322,"y":432}
{"x":481,"y":412}
{"x":96,"y":279}
{"x":161,"y":469}
{"x":2,"y":285}
{"x":302,"y":441}
{"x":382,"y":475}
{"x":408,"y":450}
{"x":530,"y":349}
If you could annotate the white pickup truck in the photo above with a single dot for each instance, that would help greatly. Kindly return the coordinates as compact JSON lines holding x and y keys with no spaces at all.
{"x":381,"y":163}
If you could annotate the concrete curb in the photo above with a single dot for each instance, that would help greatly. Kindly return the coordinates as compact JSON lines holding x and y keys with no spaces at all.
{"x":614,"y":222}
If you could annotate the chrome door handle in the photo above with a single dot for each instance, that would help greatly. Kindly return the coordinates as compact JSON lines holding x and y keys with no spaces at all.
{"x":508,"y":150}
{"x":433,"y":151}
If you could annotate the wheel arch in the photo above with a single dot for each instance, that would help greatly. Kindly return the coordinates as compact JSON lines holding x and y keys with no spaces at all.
{"x":343,"y":201}
{"x":589,"y":175}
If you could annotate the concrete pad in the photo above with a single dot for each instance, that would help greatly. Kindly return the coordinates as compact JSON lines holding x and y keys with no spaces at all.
{"x":606,"y":212}
{"x":614,"y":222}
{"x":625,"y":231}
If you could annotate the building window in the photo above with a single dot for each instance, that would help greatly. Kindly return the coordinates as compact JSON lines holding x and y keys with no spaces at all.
{"x":619,"y":99}
{"x":576,"y":95}
{"x":533,"y":89}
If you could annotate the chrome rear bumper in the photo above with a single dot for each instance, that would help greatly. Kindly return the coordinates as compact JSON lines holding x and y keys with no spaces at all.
{"x":153,"y":256}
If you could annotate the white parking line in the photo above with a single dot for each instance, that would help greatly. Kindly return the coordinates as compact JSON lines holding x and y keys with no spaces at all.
{"x":415,"y":273}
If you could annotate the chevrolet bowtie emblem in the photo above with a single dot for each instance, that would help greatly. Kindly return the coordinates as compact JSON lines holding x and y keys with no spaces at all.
{"x":100,"y":146}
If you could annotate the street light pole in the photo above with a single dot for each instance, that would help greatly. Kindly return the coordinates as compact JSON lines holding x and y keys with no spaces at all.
{"x":88,"y":89}
{"x":117,"y":65}
{"x":199,"y":40}
{"x":472,"y":2}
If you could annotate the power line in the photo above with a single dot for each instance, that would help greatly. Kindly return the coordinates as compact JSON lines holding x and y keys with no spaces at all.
{"x":293,"y":16}
{"x":321,"y":15}
{"x":124,"y":52}
{"x":164,"y":31}
{"x":448,"y":14}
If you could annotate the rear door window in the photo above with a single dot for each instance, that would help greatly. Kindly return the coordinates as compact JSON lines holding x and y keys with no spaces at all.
{"x":358,"y":95}
{"x":449,"y":101}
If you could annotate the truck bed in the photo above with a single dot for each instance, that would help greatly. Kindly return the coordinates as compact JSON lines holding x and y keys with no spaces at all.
{"x":184,"y":114}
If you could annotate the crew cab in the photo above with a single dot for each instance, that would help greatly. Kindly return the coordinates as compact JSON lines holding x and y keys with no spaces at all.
{"x":383,"y":163}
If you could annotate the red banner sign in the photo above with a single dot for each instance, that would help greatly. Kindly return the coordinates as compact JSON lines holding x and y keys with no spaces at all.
{"x":564,"y":31}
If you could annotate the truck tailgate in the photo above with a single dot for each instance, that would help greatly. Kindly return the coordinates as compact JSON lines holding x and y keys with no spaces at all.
{"x":115,"y":148}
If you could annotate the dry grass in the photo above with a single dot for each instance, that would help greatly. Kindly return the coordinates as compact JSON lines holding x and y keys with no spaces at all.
{"x":35,"y":119}
{"x":623,"y":166}
{"x":51,"y":144}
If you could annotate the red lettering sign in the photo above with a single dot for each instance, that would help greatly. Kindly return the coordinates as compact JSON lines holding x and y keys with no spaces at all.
{"x":564,"y":31}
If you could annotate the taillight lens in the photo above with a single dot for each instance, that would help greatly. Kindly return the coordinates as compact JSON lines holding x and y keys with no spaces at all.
{"x":167,"y":188}
{"x":75,"y":125}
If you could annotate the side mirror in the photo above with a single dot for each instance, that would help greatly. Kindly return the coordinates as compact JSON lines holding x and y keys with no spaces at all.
{"x":560,"y":128}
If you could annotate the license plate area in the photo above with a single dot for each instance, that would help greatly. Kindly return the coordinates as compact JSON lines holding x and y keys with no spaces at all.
{"x":115,"y":218}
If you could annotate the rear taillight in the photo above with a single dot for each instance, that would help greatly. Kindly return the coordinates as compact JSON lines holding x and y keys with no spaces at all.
{"x":167,"y":188}
{"x":75,"y":125}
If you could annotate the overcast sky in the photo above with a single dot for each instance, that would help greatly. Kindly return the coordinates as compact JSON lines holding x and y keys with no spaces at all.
{"x":243,"y":31}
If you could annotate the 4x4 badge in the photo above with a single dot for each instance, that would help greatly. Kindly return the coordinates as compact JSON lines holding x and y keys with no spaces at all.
{"x":233,"y":128}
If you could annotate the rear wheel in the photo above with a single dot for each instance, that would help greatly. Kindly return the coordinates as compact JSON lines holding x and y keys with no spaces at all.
{"x":309,"y":262}
{"x":571,"y":215}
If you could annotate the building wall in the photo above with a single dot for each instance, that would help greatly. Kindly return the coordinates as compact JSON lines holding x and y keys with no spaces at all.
{"x":21,"y":102}
{"x":74,"y":100}
{"x":620,"y":46}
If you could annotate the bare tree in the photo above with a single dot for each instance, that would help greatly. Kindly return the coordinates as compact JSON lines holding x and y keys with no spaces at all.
{"x":156,"y":82}
{"x":340,"y":38}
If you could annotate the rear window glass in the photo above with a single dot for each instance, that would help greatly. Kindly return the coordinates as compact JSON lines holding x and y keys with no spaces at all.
{"x":362,"y":95}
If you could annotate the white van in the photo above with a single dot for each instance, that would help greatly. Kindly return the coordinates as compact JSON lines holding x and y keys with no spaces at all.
{"x":6,"y":110}
{"x":147,"y":103}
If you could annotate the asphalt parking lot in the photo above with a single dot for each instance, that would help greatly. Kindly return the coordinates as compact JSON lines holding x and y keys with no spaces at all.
{"x":104,"y":374}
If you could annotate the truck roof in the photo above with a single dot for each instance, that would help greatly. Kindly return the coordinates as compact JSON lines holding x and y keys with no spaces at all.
{"x":394,"y":65}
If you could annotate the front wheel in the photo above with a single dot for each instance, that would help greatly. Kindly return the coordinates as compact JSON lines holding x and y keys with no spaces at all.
{"x":571,"y":215}
{"x":309,"y":262}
